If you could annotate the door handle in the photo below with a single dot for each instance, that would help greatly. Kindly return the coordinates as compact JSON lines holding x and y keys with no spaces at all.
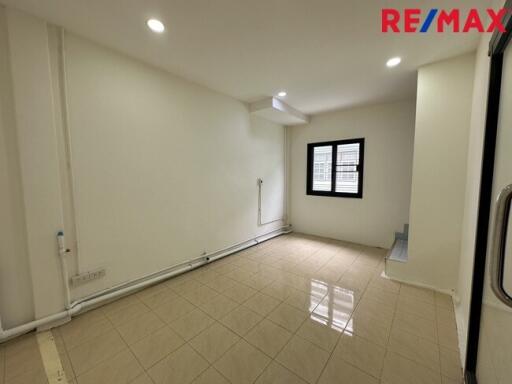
{"x":499,"y":243}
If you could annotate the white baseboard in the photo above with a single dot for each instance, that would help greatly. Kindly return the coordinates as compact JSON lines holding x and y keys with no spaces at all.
{"x":421,"y":285}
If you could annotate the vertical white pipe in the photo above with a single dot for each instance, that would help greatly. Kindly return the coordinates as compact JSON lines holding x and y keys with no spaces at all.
{"x":64,"y":267}
{"x":67,"y":143}
{"x":260,"y":222}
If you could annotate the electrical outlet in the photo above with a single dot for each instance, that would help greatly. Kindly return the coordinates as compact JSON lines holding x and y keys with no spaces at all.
{"x":88,"y":276}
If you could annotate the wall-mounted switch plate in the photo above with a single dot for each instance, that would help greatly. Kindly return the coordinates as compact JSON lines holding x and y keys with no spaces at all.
{"x":87,"y":276}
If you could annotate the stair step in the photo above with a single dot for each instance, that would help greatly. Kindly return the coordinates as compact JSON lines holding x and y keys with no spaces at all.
{"x":399,"y":251}
{"x":403,"y":235}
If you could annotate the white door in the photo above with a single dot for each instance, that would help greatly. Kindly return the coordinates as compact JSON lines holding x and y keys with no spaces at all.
{"x":494,"y":360}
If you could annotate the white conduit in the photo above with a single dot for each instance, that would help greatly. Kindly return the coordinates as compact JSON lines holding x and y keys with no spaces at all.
{"x":260,"y":185}
{"x":64,"y":267}
{"x":260,"y":222}
{"x":130,"y":287}
{"x":67,"y":142}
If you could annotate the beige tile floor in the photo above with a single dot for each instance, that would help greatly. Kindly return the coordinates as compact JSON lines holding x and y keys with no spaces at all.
{"x":296,"y":309}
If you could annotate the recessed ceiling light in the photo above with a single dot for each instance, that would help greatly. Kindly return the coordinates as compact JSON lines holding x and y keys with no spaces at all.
{"x":282,"y":94}
{"x":156,"y":25}
{"x":393,"y":62}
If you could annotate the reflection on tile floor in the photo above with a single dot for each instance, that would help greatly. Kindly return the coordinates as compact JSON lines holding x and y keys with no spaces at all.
{"x":296,"y":309}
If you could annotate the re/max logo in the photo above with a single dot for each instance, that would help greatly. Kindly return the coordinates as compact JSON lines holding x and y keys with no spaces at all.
{"x":416,"y":20}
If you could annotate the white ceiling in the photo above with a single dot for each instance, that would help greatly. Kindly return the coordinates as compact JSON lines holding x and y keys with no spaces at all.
{"x":326,"y":54}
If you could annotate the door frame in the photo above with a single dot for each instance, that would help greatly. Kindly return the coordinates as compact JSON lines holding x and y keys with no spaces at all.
{"x":497,"y":46}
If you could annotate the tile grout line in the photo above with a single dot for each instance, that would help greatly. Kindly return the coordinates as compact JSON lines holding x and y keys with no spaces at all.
{"x":67,"y":355}
{"x":439,"y":340}
{"x":2,"y":364}
{"x":114,"y":328}
{"x":295,"y":334}
{"x":260,"y":290}
{"x":128,"y":349}
{"x":438,"y":345}
{"x":50,"y":358}
{"x":386,"y":350}
{"x":186,"y":342}
{"x":241,"y":338}
{"x":274,"y":359}
{"x":343,"y":332}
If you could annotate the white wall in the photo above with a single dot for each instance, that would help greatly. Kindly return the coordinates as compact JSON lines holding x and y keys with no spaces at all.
{"x":39,"y":162}
{"x":472,"y":193}
{"x":388,"y":130}
{"x":163,"y":169}
{"x":443,"y":116}
{"x":14,"y":266}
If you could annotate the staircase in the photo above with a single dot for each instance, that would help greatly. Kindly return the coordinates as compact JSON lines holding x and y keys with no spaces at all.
{"x":399,"y":250}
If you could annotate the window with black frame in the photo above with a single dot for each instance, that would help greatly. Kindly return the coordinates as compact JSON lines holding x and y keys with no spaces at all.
{"x":335,"y":168}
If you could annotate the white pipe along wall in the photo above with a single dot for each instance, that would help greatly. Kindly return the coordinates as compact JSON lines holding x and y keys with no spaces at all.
{"x":143,"y":171}
{"x":81,"y":305}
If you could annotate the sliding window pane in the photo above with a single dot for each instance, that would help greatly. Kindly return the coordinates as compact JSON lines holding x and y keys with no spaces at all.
{"x":347,"y":168}
{"x":322,"y":166}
